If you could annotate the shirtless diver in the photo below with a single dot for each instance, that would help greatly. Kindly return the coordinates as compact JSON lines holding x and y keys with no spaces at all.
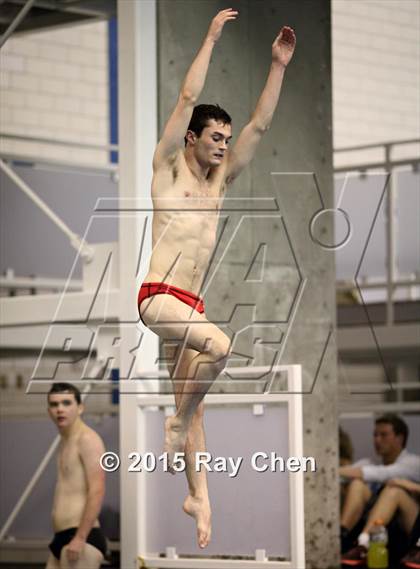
{"x":192,"y":167}
{"x":78,"y":541}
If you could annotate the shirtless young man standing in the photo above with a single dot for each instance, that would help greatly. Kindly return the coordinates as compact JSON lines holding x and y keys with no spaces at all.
{"x":78,"y":541}
{"x":186,"y":180}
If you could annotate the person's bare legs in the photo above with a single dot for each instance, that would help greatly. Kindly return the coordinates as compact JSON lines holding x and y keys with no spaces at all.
{"x":197,"y":503}
{"x":203,"y":369}
{"x":90,"y":558}
{"x":357,"y":496}
{"x":391,"y":500}
{"x":172,"y":319}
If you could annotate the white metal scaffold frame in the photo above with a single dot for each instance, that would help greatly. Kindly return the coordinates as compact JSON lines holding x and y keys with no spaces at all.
{"x":293,"y":399}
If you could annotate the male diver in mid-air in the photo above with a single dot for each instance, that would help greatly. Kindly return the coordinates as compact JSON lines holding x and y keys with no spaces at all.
{"x":192,"y":167}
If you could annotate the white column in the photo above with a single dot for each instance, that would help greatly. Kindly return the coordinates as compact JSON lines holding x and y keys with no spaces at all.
{"x":137,"y":92}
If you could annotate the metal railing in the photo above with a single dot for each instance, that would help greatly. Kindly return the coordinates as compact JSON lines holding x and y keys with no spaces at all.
{"x":389,"y":165}
{"x":10,"y":284}
{"x":58,"y":142}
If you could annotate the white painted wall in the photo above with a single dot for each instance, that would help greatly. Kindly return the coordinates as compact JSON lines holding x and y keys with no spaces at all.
{"x":376,"y":71}
{"x":55,"y":84}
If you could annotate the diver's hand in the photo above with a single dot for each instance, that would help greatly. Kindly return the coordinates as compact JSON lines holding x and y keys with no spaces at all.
{"x":284,"y":46}
{"x":216,"y":26}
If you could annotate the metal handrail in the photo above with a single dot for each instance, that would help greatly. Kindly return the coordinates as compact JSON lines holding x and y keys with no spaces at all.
{"x":376,"y":145}
{"x":362,"y":167}
{"x":350,"y":285}
{"x":344,"y":409}
{"x":391,"y":282}
{"x":14,"y":283}
{"x":58,"y":142}
{"x":62,"y":164}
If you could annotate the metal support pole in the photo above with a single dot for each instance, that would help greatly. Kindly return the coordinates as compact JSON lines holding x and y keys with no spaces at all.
{"x":30,"y":486}
{"x":390,"y":239}
{"x":75,"y":240}
{"x":137,"y":84}
{"x":20,"y":16}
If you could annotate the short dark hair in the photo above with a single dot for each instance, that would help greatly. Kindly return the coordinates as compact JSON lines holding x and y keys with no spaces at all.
{"x":202,"y":114}
{"x":64,"y":388}
{"x":399,"y":426}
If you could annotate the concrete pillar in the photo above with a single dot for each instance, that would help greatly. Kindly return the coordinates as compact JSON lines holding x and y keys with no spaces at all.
{"x":297,"y":289}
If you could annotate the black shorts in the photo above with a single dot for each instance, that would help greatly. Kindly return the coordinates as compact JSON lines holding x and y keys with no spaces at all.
{"x":62,"y":538}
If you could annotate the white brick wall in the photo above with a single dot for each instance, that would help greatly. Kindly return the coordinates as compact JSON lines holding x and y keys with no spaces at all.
{"x":55,"y":84}
{"x":376,"y":71}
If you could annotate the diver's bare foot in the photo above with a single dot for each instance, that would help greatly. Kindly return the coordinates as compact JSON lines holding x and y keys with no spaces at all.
{"x":199,"y":509}
{"x":175,"y":439}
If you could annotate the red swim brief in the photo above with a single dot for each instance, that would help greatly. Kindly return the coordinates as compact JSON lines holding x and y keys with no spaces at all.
{"x":150,"y":289}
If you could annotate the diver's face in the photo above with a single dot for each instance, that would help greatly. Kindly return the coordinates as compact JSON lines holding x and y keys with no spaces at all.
{"x":63,"y":409}
{"x":211,"y":146}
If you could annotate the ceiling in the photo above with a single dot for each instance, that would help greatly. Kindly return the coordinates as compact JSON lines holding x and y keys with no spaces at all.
{"x":53,"y":13}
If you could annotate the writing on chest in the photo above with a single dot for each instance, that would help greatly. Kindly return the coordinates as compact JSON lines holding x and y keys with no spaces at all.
{"x":200,"y":199}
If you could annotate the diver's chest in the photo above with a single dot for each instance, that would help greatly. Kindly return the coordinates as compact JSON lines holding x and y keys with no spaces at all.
{"x":68,"y":461}
{"x":188,"y":188}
